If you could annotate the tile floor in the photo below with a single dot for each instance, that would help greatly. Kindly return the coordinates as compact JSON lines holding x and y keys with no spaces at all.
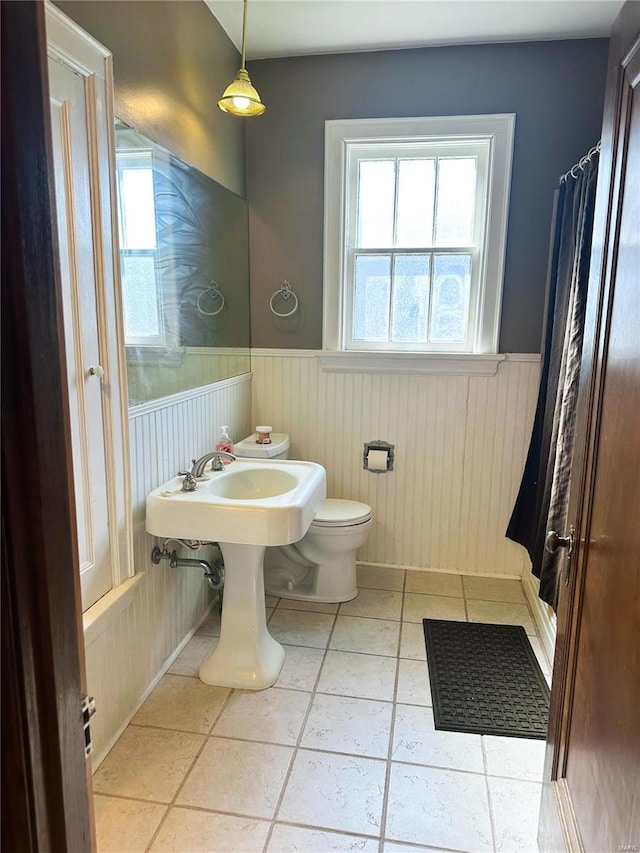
{"x":341,"y":754}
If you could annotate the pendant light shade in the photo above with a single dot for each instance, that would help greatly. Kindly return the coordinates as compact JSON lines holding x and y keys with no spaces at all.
{"x":240,"y":98}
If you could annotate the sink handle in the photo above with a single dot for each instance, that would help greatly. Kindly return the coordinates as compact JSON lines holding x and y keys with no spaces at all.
{"x":189,"y":483}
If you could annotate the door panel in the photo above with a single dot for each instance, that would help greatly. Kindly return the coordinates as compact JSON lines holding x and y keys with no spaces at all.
{"x":79,"y":286}
{"x":591,"y":797}
{"x":604,"y":741}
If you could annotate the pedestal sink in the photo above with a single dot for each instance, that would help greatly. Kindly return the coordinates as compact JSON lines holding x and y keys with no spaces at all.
{"x":249,"y":505}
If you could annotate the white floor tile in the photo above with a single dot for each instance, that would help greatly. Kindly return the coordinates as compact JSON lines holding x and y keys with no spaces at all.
{"x":500,"y":613}
{"x":300,"y":628}
{"x":148,"y":764}
{"x":434,"y":583}
{"x":295,"y":839}
{"x":412,"y":641}
{"x":516,"y":810}
{"x":211,"y":624}
{"x":335,"y":791}
{"x":376,"y":603}
{"x":416,"y":740}
{"x":515,"y":757}
{"x":371,"y":636}
{"x":300,"y":668}
{"x":380,"y":577}
{"x":413,"y":683}
{"x":125,"y":826}
{"x":235,"y":776}
{"x":201,"y":832}
{"x":392,"y":847}
{"x":439,"y":808}
{"x":418,"y":607}
{"x":194,"y":654}
{"x":184,"y":704}
{"x":269,"y":716}
{"x":308,"y":606}
{"x":355,"y":726}
{"x":494,"y":589}
{"x":362,"y":676}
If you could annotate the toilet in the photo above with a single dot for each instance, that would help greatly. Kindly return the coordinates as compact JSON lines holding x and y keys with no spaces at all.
{"x":322,"y":565}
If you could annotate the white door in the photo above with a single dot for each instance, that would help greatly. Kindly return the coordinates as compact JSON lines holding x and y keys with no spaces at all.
{"x":79,"y":116}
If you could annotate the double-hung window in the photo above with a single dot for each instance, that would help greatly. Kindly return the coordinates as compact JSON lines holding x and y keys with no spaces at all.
{"x":143,"y":317}
{"x":415,"y":227}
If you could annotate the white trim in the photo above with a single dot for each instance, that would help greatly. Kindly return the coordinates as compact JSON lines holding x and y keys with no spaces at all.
{"x":401,"y":568}
{"x":542,"y":614}
{"x":523,"y":356}
{"x":499,"y":128}
{"x":463,"y":364}
{"x":69,"y":45}
{"x":72,"y":46}
{"x":140,"y":409}
{"x":106,"y":610}
{"x":284,"y":353}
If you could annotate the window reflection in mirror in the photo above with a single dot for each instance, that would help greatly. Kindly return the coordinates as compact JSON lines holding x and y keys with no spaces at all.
{"x":184,"y":271}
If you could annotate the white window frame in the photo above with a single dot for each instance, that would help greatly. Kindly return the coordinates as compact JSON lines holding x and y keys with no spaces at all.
{"x":344,"y":136}
{"x":137,"y":158}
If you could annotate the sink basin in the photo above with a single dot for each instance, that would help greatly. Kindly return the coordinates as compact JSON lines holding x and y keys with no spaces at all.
{"x":255,"y":483}
{"x":251,"y":502}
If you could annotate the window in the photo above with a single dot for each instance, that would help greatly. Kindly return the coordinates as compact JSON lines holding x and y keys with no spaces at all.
{"x":415,"y":227}
{"x":142,"y":310}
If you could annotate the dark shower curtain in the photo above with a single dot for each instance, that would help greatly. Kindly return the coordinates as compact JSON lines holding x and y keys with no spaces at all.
{"x":542,"y":501}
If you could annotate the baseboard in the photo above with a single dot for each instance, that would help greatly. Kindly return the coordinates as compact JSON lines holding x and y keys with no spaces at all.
{"x":98,"y":758}
{"x":544,"y":619}
{"x":402,"y":568}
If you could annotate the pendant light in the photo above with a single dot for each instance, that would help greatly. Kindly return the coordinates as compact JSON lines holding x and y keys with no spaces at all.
{"x":240,"y":98}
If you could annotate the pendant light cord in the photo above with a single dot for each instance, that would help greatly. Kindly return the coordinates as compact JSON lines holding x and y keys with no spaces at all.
{"x":244,"y":31}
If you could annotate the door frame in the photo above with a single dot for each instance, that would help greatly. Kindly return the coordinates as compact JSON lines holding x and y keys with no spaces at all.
{"x":558,"y":830}
{"x":46,"y":790}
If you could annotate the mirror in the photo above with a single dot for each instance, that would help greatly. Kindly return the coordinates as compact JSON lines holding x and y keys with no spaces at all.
{"x":184,"y":259}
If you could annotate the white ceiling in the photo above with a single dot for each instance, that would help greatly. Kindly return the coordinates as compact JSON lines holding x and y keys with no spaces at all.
{"x":298,"y":27}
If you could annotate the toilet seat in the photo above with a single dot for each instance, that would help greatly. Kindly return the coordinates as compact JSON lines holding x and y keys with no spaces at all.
{"x":336,"y":512}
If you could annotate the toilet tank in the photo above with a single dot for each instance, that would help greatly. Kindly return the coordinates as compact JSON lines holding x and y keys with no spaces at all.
{"x":278,"y":449}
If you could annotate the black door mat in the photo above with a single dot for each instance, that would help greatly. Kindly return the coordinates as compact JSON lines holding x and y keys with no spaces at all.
{"x":485,"y":679}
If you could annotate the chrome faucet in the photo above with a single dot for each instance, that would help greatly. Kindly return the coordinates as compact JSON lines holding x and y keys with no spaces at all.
{"x":189,"y":483}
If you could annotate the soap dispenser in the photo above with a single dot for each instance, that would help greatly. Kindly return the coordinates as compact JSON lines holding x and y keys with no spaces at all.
{"x":224,"y":443}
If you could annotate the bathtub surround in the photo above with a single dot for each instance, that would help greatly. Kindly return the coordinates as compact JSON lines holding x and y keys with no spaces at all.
{"x":132,"y":649}
{"x":460,"y":444}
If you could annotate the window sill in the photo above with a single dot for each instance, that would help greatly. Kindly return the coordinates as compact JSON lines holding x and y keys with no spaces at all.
{"x":106,"y":610}
{"x":456,"y":364}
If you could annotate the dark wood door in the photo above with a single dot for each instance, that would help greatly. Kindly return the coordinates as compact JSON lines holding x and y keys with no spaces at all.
{"x":595,"y":732}
{"x":46,"y":784}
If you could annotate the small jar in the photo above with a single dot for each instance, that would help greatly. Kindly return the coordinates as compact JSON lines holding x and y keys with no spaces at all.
{"x":263,"y":434}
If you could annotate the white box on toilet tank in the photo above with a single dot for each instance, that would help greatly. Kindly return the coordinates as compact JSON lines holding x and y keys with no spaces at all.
{"x":278,"y":449}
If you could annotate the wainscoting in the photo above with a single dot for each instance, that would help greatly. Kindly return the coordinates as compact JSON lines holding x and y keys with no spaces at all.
{"x":461,"y":442}
{"x":166,"y":605}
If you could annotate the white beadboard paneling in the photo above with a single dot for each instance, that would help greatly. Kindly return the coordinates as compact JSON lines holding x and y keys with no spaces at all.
{"x":167,"y":603}
{"x":461,"y":443}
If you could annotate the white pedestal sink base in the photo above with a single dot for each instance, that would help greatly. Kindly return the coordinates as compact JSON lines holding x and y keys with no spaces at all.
{"x":246,"y":656}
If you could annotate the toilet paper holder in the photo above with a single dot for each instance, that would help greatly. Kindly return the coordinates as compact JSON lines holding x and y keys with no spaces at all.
{"x":378,"y":445}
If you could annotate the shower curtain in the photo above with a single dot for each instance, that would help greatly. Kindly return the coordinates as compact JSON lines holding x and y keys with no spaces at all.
{"x":542,"y":501}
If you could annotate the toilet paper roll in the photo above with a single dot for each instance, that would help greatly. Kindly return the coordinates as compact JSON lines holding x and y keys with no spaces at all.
{"x":377,"y":460}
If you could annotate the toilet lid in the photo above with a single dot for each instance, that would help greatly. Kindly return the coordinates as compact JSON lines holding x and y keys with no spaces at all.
{"x":334,"y":512}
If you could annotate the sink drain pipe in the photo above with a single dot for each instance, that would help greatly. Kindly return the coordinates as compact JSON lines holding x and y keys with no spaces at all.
{"x":213,"y":574}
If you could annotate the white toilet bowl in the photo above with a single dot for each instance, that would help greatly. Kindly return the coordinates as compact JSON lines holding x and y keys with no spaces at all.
{"x":322,"y":565}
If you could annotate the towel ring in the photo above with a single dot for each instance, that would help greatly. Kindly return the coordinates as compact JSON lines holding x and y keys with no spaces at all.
{"x":215,"y":295}
{"x":286,"y":293}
